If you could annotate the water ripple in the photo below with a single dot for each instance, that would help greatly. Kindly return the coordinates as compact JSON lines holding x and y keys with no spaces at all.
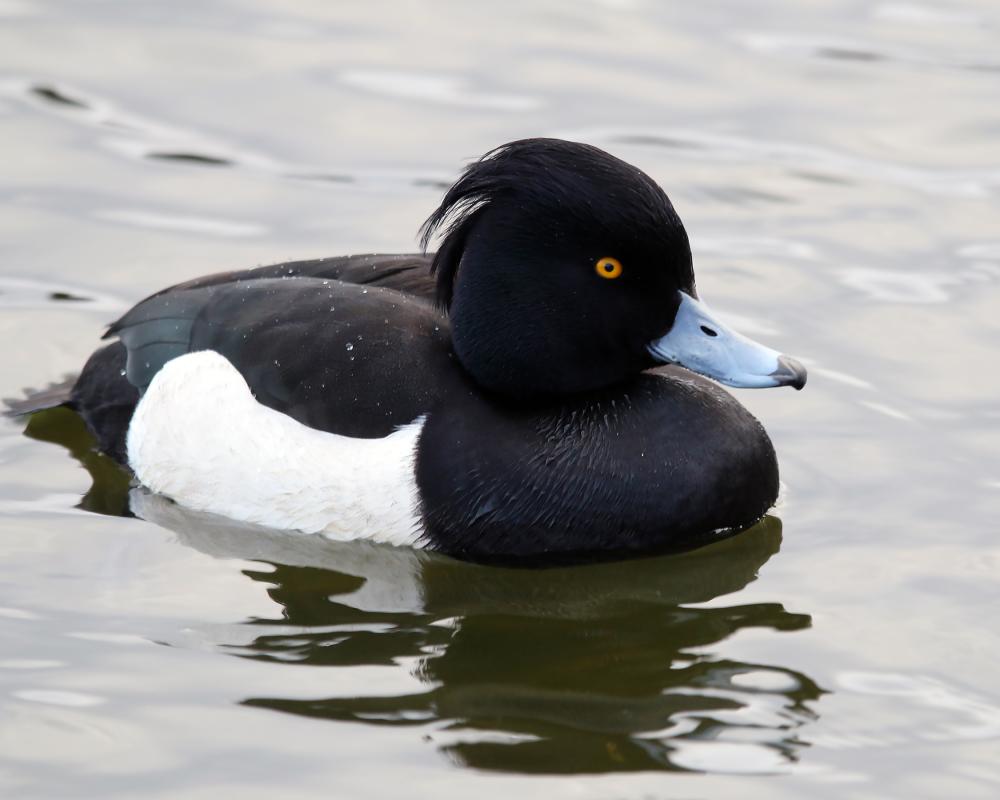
{"x":963,"y":716}
{"x":899,"y":287}
{"x":31,"y":293}
{"x":966,"y":182}
{"x":845,"y":49}
{"x":55,"y":697}
{"x":925,"y":15}
{"x":916,"y":288}
{"x":139,"y":137}
{"x":449,"y":90}
{"x":174,"y":222}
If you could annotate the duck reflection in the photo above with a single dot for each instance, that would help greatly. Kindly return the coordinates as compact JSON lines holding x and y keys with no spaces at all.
{"x":597,"y":668}
{"x":108,"y":493}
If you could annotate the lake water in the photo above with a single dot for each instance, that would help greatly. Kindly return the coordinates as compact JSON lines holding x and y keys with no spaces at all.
{"x":837,"y":165}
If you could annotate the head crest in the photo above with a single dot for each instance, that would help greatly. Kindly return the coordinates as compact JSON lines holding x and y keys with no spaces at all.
{"x":478,"y":185}
{"x":551,"y":175}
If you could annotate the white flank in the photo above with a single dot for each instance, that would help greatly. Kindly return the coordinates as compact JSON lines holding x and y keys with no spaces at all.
{"x":199,"y":437}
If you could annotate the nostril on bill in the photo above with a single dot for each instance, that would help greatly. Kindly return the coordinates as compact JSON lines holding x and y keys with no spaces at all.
{"x":708,"y":331}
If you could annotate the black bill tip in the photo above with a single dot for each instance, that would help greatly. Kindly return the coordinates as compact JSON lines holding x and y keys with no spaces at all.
{"x":789,"y":373}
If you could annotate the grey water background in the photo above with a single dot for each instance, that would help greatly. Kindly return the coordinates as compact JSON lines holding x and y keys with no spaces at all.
{"x":837,"y":165}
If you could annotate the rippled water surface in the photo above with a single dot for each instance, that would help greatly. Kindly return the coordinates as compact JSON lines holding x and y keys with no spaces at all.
{"x":838,"y":167}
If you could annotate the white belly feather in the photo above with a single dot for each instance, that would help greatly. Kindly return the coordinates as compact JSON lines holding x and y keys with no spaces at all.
{"x":199,"y":437}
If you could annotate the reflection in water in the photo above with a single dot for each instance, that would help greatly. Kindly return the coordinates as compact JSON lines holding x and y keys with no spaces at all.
{"x":596,"y":668}
{"x":575,"y":669}
{"x":108,"y":493}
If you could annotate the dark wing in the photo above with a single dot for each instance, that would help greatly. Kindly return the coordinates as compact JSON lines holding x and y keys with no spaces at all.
{"x":298,"y":331}
{"x":338,"y":357}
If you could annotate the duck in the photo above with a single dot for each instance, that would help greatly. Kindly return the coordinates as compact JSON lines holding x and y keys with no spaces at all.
{"x":545,"y":387}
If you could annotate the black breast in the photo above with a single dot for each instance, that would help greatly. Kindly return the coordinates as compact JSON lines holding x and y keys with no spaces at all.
{"x":667,"y":461}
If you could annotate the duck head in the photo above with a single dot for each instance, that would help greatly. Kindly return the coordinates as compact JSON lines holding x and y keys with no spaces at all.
{"x":565,"y":270}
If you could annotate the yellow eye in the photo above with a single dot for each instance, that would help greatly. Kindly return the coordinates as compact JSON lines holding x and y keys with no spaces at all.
{"x":608,"y":267}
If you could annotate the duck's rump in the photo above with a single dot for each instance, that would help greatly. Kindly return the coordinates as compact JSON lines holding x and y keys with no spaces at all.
{"x":354,"y":359}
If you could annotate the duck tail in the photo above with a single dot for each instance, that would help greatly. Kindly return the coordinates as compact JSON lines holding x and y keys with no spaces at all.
{"x":53,"y":396}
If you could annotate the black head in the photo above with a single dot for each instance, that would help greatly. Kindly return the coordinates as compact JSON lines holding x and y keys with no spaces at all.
{"x":560,"y":264}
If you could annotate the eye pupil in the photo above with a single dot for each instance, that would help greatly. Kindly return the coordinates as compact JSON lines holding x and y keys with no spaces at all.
{"x":608,"y":267}
{"x":708,"y":331}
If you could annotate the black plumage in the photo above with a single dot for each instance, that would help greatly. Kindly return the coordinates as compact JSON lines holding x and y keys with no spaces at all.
{"x":546,"y":436}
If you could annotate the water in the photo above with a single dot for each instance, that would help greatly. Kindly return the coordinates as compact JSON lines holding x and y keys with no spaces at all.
{"x":837,"y":165}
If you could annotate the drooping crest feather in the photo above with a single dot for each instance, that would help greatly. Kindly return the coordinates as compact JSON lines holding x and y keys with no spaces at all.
{"x":478,"y":185}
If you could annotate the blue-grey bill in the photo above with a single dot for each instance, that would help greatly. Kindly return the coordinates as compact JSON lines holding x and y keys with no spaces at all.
{"x":703,"y":344}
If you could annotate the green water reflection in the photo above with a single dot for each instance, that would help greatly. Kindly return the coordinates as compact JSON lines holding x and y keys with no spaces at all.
{"x":587,"y":669}
{"x":108,"y":493}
